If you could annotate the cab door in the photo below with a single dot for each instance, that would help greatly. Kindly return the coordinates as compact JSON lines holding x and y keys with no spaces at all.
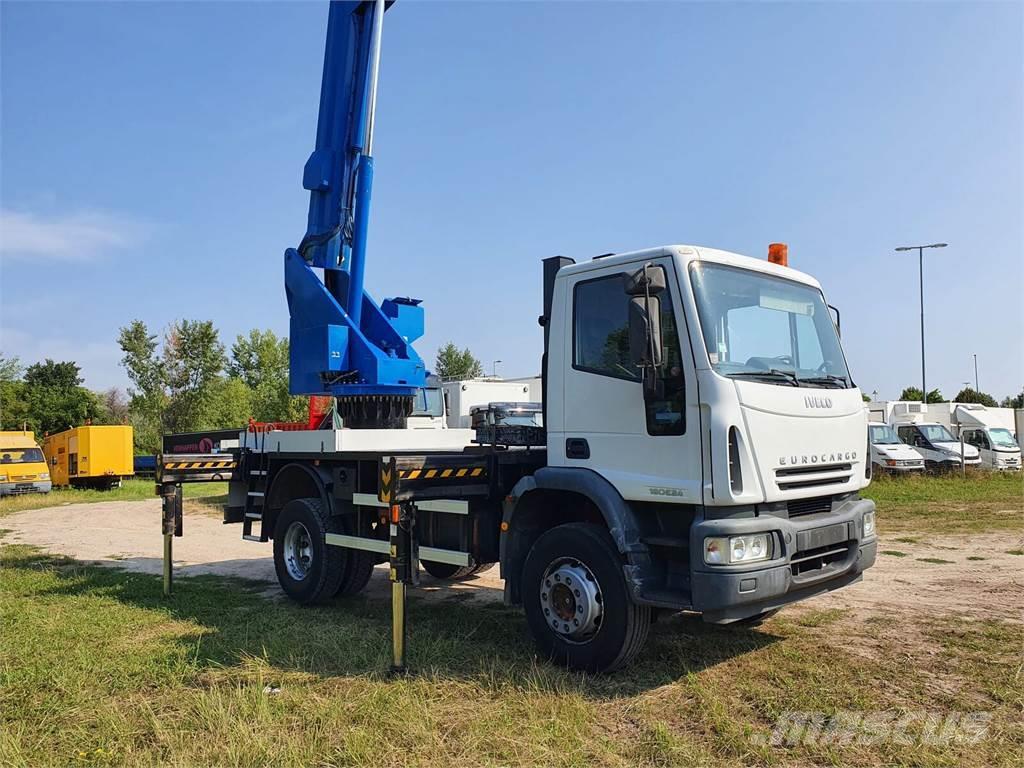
{"x":649,"y":450}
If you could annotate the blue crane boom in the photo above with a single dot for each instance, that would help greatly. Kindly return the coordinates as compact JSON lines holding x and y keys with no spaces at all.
{"x":342,"y":342}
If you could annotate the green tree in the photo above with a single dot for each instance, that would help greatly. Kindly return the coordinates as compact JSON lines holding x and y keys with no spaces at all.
{"x":1015,"y":401}
{"x":227,"y":403}
{"x":261,"y":361}
{"x":914,"y":394}
{"x":455,"y":364}
{"x":193,"y":361}
{"x":969,"y":395}
{"x":10,"y":369}
{"x":865,"y":397}
{"x":148,"y":394}
{"x":15,"y":412}
{"x":54,"y":398}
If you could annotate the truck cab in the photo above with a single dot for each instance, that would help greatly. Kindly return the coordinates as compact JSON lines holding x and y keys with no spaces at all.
{"x":996,"y":446}
{"x":889,"y":453}
{"x":701,"y":400}
{"x":22,"y":465}
{"x":941,"y":451}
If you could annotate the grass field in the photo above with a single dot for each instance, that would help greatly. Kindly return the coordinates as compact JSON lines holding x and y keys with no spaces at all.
{"x":96,"y":667}
{"x":983,"y":501}
{"x":208,"y":494}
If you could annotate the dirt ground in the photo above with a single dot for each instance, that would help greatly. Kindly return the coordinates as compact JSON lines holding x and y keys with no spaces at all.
{"x":976,"y":578}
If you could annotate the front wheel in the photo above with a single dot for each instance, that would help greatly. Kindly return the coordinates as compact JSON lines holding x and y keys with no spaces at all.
{"x":577,"y":600}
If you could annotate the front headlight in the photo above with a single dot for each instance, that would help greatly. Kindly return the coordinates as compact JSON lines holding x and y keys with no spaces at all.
{"x":869,"y":524}
{"x":722,"y":550}
{"x":3,"y":478}
{"x":44,"y":476}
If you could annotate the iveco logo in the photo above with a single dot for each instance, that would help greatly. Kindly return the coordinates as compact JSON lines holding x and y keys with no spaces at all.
{"x":818,"y":402}
{"x":817,"y":458}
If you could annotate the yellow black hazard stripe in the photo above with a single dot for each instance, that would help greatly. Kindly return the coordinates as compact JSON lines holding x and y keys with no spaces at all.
{"x":441,"y":474}
{"x":230,"y":464}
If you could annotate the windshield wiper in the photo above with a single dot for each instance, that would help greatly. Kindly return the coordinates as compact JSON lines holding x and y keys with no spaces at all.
{"x":770,"y":373}
{"x":826,"y":379}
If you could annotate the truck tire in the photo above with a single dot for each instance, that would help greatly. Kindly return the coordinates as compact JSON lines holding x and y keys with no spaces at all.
{"x":358,"y":567}
{"x":577,"y":601}
{"x":308,"y":570}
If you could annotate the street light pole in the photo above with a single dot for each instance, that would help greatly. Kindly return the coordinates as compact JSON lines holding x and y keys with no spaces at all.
{"x":976,"y":387}
{"x":920,"y":268}
{"x":494,"y":368}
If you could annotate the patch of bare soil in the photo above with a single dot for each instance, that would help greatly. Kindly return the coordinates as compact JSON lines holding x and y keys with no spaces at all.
{"x":127,"y":535}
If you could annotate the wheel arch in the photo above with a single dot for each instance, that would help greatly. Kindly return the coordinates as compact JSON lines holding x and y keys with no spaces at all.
{"x":554,"y":496}
{"x":295,"y":480}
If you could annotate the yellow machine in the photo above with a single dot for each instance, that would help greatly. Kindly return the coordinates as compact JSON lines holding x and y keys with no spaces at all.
{"x":90,"y":456}
{"x":22,"y":465}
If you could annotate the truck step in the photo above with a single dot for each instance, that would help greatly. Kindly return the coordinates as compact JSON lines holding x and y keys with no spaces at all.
{"x":258,"y":472}
{"x":257,"y":494}
{"x":251,"y":537}
{"x":254,"y":515}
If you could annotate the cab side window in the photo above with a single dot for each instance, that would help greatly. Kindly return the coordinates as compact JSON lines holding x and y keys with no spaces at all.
{"x":601,"y":346}
{"x":910,"y":435}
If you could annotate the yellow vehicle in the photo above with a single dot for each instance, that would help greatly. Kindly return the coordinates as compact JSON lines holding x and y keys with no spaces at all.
{"x":22,"y":465}
{"x":90,"y":456}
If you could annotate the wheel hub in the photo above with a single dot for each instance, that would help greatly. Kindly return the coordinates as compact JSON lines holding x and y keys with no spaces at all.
{"x":570,"y":597}
{"x":298,"y":551}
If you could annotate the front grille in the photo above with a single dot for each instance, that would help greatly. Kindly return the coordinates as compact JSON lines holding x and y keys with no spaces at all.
{"x":818,"y":559}
{"x":812,"y":469}
{"x":811,"y":476}
{"x":813,"y":506}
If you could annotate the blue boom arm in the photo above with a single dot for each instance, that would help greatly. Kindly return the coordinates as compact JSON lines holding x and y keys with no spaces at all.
{"x":342,"y":342}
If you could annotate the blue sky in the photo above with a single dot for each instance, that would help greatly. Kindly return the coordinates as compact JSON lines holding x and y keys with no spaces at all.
{"x":152,"y":156}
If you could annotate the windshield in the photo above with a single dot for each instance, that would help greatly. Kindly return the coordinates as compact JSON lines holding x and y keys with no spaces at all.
{"x":1002,"y":438}
{"x":883,"y":435}
{"x":766,"y":328}
{"x":428,"y":402}
{"x":936,"y":433}
{"x":21,"y":456}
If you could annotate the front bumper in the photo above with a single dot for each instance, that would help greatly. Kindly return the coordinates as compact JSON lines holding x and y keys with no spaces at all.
{"x":815,"y":554}
{"x":35,"y":486}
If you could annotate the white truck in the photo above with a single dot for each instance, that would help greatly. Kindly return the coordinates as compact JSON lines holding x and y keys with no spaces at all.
{"x":889,"y":453}
{"x":990,"y":430}
{"x":704,"y":447}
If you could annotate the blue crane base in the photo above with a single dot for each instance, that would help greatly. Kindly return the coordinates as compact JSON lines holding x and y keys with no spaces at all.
{"x":332,"y":355}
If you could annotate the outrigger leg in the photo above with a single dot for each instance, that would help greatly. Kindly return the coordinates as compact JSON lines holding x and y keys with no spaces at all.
{"x":403,"y":567}
{"x":171,"y":524}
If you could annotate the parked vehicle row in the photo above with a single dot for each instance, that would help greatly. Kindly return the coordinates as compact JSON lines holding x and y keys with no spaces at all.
{"x":910,"y":436}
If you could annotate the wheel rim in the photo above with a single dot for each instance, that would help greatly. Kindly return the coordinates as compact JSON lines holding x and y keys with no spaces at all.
{"x":571,"y":599}
{"x":298,"y":551}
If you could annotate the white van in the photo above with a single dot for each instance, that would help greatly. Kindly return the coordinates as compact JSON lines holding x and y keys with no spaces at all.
{"x":941,"y":451}
{"x":889,"y":454}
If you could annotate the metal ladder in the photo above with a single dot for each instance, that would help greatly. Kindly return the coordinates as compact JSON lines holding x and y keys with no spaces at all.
{"x":255,"y":493}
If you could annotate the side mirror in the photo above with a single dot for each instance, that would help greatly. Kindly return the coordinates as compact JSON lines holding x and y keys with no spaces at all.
{"x":645,"y":348}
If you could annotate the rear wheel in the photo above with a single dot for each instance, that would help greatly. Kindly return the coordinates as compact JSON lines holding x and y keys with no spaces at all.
{"x":577,"y":601}
{"x":308,"y":570}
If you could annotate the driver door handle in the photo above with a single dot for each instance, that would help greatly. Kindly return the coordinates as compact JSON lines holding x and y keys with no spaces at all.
{"x":577,"y":448}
